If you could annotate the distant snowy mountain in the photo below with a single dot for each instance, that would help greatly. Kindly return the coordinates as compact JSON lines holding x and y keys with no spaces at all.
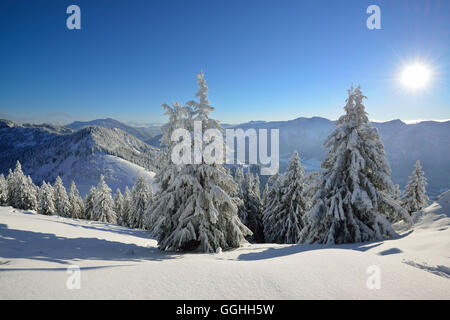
{"x":48,"y":151}
{"x":143,"y":133}
{"x":427,"y":141}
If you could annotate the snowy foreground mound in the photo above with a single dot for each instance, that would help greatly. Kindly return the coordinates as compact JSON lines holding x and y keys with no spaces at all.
{"x":120,"y":263}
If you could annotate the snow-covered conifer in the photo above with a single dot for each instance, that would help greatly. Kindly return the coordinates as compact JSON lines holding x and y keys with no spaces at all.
{"x":252,"y":212}
{"x":62,"y":204}
{"x":396,"y":195}
{"x":141,"y":196}
{"x":118,"y":206}
{"x":257,"y":187}
{"x":89,"y":204}
{"x":264,"y":195}
{"x":415,"y":196}
{"x":104,"y":203}
{"x":353,"y":202}
{"x":126,"y":207}
{"x":46,"y":203}
{"x":283,"y":220}
{"x":194,"y":208}
{"x":31,"y":197}
{"x":21,"y":190}
{"x":76,"y":203}
{"x":240,"y":180}
{"x":3,"y":191}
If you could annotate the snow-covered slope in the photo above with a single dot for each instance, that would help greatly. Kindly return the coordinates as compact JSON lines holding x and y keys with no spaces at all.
{"x":81,"y":156}
{"x":120,"y":263}
{"x":143,"y":133}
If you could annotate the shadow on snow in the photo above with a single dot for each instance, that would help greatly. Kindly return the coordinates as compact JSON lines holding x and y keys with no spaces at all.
{"x":52,"y":248}
{"x":270,"y":253}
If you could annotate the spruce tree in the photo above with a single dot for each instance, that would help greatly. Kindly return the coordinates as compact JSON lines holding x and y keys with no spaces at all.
{"x":415,"y":196}
{"x":353,"y":203}
{"x":76,"y":203}
{"x":265,"y":193}
{"x":252,"y":213}
{"x":3,"y":191}
{"x":9,"y":187}
{"x":31,"y":197}
{"x":396,"y":195}
{"x":62,"y":204}
{"x":21,"y":190}
{"x":46,"y":204}
{"x":141,"y":196}
{"x":194,"y":208}
{"x":89,"y":204}
{"x":103,"y":203}
{"x":283,"y":220}
{"x":126,"y":207}
{"x":118,"y":206}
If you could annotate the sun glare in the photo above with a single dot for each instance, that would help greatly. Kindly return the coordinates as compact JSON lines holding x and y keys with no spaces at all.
{"x":415,"y":76}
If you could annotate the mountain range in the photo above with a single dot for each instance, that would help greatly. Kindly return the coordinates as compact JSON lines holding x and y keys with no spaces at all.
{"x":46,"y":151}
{"x":83,"y":150}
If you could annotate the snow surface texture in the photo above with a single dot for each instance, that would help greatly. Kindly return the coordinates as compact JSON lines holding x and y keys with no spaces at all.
{"x":120,"y":263}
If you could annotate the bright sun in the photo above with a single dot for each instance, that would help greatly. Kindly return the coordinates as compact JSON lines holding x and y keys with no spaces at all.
{"x":415,"y":76}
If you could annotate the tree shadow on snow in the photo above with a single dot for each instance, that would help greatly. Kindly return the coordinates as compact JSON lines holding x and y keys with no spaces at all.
{"x":52,"y":248}
{"x":102,"y":226}
{"x":271,"y":253}
{"x":299,"y":248}
{"x":97,"y":226}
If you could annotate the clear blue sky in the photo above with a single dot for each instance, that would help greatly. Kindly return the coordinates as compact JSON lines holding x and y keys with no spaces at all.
{"x":263,"y":60}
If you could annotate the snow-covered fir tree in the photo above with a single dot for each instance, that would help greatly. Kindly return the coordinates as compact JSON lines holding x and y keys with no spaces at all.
{"x":62,"y":204}
{"x":240,"y":181}
{"x":353,"y":202}
{"x":272,"y":198}
{"x":396,"y":195}
{"x":118,"y":206}
{"x":194,"y":208}
{"x":283,"y":220}
{"x":89,"y":204}
{"x":126,"y":207}
{"x":9,"y":179}
{"x":141,"y":197}
{"x":257,"y":187}
{"x":46,"y":204}
{"x":76,"y":203}
{"x":415,"y":196}
{"x":312,"y":181}
{"x":21,"y":190}
{"x":104,"y":203}
{"x":264,"y":195}
{"x":252,"y":212}
{"x":3,"y":191}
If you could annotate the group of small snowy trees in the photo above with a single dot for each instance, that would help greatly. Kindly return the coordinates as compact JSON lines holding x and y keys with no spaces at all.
{"x":286,"y":204}
{"x":19,"y":191}
{"x":251,"y":206}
